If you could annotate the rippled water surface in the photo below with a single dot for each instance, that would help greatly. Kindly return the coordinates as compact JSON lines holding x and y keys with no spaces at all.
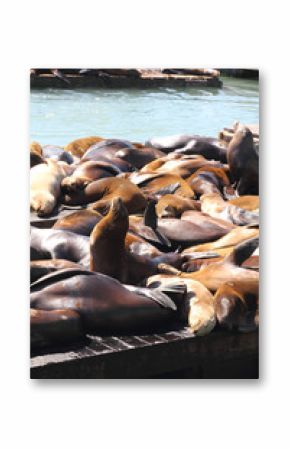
{"x":58,"y":116}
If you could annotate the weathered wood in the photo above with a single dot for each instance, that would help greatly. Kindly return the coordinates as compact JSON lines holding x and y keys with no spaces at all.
{"x":219,"y":354}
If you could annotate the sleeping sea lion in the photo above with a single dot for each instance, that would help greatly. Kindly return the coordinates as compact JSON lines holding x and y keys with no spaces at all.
{"x":102,"y":191}
{"x":229,"y":269}
{"x":45,"y":180}
{"x":214,"y":205}
{"x":57,"y":153}
{"x":198,"y":309}
{"x":104,"y":304}
{"x":236,"y":306}
{"x":52,"y":327}
{"x":78,"y":147}
{"x":208,"y":180}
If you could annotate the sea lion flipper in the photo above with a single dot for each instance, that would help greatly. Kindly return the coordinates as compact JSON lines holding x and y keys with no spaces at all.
{"x":242,"y":251}
{"x":150,"y":217}
{"x":156,"y":295}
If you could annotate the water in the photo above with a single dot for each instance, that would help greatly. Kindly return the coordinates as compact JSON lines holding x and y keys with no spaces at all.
{"x":59,"y":116}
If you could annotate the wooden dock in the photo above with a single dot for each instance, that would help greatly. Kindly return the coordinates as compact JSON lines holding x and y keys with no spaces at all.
{"x":146,"y":79}
{"x":171,"y":354}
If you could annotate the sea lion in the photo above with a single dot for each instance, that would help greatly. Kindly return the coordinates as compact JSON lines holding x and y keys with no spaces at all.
{"x":176,"y":164}
{"x":103,"y":303}
{"x":230,"y":240}
{"x":108,"y":254}
{"x":236,"y":306}
{"x":206,"y":221}
{"x":57,"y":153}
{"x":198,"y":309}
{"x":248,"y":202}
{"x":156,"y":185}
{"x":78,"y":147}
{"x":81,"y":222}
{"x":174,"y":206}
{"x":208,"y":180}
{"x":214,"y":205}
{"x":102,"y":191}
{"x":45,"y":180}
{"x":57,"y":244}
{"x":36,"y":155}
{"x":39,"y":268}
{"x":87,"y":172}
{"x":229,"y":269}
{"x":252,"y":263}
{"x":244,"y":162}
{"x":54,"y":327}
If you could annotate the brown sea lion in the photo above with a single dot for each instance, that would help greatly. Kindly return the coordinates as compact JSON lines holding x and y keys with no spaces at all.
{"x":248,"y":202}
{"x":156,"y":185}
{"x":103,"y":303}
{"x":45,"y":180}
{"x":230,"y":240}
{"x":39,"y":268}
{"x":208,"y":180}
{"x":198,"y":309}
{"x":54,"y":327}
{"x":236,"y":305}
{"x":174,"y":205}
{"x":252,"y":263}
{"x":206,"y":221}
{"x":81,"y":222}
{"x":229,"y":269}
{"x":78,"y":147}
{"x":179,"y":165}
{"x":244,"y":162}
{"x":58,"y":244}
{"x":102,"y":191}
{"x":36,"y":156}
{"x":214,"y":205}
{"x":87,"y":172}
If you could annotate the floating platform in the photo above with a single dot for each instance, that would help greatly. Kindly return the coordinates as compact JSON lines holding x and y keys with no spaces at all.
{"x":146,"y":79}
{"x":172,"y":354}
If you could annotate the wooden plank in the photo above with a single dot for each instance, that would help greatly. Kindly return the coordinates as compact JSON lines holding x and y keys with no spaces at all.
{"x":151,"y":356}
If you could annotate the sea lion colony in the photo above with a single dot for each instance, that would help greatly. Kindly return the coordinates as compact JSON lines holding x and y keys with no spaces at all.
{"x":145,"y":236}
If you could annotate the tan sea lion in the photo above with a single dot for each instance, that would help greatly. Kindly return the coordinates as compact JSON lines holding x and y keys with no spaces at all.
{"x":214,"y":205}
{"x":230,"y":240}
{"x":198,"y":310}
{"x":78,"y":147}
{"x":36,"y":155}
{"x":174,"y":205}
{"x":248,"y":202}
{"x":236,"y":305}
{"x":45,"y":180}
{"x":229,"y":269}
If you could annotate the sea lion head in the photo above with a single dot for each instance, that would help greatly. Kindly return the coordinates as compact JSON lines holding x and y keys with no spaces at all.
{"x":42,"y":203}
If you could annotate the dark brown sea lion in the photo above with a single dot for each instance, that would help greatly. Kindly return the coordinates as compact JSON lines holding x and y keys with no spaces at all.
{"x":214,"y":205}
{"x":236,"y":306}
{"x":208,"y":180}
{"x":103,"y":303}
{"x":229,"y":269}
{"x":87,"y":172}
{"x":39,"y":268}
{"x":57,"y":153}
{"x":78,"y":147}
{"x":203,"y":147}
{"x":57,"y":244}
{"x":244,"y":162}
{"x":54,"y":327}
{"x":81,"y":222}
{"x":102,"y":191}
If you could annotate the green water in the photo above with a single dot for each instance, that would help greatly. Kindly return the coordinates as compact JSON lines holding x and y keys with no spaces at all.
{"x":59,"y":116}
